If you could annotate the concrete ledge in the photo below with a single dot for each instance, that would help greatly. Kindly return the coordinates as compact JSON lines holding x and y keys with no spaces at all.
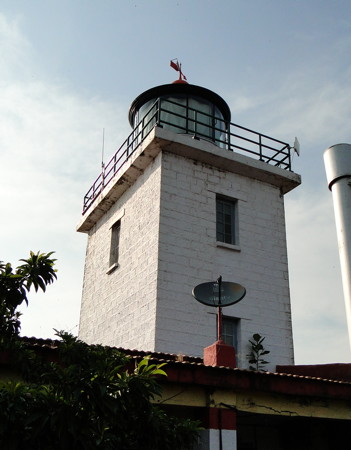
{"x":208,"y":153}
{"x":197,"y":150}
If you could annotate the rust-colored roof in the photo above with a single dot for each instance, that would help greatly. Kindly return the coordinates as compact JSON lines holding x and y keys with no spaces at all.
{"x":335,"y":371}
{"x":311,"y":381}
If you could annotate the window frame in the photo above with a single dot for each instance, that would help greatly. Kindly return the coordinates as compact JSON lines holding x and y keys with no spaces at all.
{"x":114,"y":246}
{"x":232,"y":203}
{"x":235,"y":323}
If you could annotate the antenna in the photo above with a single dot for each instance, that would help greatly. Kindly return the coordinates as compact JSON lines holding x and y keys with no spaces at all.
{"x":103,"y":149}
{"x":297,"y":146}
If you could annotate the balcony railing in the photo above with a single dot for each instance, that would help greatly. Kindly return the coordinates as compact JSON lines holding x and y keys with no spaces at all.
{"x":184,"y":120}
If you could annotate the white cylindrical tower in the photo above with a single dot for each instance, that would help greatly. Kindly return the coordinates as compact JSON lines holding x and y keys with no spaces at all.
{"x":337,"y":160}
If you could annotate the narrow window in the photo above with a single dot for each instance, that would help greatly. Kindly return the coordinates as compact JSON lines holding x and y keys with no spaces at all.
{"x":225,"y":220}
{"x":114,"y":249}
{"x":230,"y":331}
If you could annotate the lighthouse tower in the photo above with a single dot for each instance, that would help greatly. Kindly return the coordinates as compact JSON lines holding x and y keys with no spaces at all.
{"x":187,"y":197}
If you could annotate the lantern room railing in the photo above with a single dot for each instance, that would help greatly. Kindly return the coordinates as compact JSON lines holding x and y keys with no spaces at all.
{"x":185,"y":120}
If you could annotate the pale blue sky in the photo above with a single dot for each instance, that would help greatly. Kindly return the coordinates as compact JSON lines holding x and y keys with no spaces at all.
{"x":71,"y":68}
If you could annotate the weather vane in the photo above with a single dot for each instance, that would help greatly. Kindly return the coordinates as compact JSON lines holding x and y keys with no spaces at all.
{"x":178,"y":67}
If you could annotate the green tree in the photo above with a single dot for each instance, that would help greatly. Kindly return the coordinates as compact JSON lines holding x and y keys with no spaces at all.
{"x":37,"y":271}
{"x":87,"y":397}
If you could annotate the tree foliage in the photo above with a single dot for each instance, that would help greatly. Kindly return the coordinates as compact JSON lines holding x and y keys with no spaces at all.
{"x":90,"y":399}
{"x":87,"y":397}
{"x":37,"y":271}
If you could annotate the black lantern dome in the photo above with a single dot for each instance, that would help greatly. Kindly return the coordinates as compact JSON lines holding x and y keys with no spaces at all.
{"x":183,"y":108}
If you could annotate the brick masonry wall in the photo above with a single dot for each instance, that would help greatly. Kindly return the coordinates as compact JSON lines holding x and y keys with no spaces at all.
{"x":189,"y":255}
{"x":168,"y":246}
{"x":119,"y":308}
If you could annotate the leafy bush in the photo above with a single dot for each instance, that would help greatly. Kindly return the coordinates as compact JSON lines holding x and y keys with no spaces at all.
{"x":91,"y":397}
{"x":257,"y":351}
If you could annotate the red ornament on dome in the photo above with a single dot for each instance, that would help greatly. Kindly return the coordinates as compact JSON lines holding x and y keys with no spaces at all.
{"x":178,"y":67}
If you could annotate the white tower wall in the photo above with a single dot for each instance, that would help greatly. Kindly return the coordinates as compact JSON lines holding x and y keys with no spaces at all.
{"x":189,"y":254}
{"x":119,"y":307}
{"x":168,"y":245}
{"x":337,"y":161}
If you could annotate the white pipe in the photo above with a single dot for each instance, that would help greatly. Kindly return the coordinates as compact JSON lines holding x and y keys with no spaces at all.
{"x":337,"y":160}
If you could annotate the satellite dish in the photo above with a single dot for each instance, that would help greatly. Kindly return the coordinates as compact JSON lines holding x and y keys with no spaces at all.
{"x":297,"y":146}
{"x":219,"y":294}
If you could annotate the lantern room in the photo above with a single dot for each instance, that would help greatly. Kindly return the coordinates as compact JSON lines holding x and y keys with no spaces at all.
{"x":182,"y":108}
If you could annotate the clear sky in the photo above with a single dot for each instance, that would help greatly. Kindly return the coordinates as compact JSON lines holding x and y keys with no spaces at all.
{"x":71,"y":68}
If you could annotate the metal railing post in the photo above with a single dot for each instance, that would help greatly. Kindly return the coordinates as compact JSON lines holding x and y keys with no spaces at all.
{"x":228,"y":136}
{"x":103,"y":176}
{"x":195,"y":123}
{"x":158,"y":113}
{"x":244,"y":140}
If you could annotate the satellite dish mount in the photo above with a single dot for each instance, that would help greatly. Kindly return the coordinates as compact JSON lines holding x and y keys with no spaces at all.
{"x":218,"y":294}
{"x":219,"y":310}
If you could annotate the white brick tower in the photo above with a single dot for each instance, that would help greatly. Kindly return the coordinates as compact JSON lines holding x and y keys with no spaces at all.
{"x":186,"y":198}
